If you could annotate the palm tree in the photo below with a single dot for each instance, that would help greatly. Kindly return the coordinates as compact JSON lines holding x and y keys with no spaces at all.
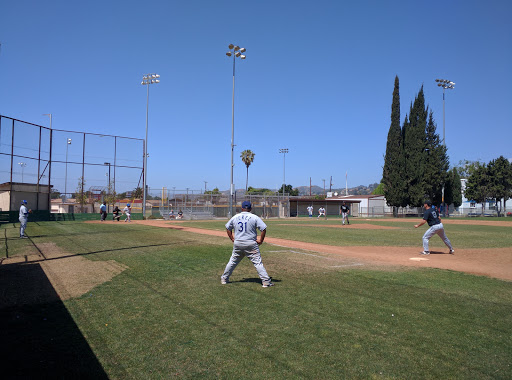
{"x":247,"y":157}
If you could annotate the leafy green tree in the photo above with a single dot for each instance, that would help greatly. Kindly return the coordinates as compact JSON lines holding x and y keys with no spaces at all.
{"x":452,"y":191}
{"x":500,"y":179}
{"x":414,"y":149}
{"x":110,"y":195}
{"x":261,"y":190}
{"x":247,"y":157}
{"x":379,"y":190}
{"x":137,"y":193}
{"x":478,"y":184}
{"x":214,"y":191}
{"x":289,"y":189}
{"x":80,"y":194}
{"x":435,"y":164}
{"x":393,"y":176}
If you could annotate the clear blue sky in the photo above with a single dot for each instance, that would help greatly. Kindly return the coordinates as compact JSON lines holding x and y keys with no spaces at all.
{"x":318,"y":80}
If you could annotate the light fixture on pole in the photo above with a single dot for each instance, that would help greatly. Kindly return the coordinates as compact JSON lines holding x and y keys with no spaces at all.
{"x":284,"y":151}
{"x":23,"y":165}
{"x":445,"y":84}
{"x":236,"y":52}
{"x":147,"y":80}
{"x":68,"y":143}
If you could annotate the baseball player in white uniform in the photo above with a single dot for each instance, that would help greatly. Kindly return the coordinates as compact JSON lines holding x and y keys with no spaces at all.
{"x":128,"y":212}
{"x":321,"y":212}
{"x":246,"y":243}
{"x":310,"y":211}
{"x":23,"y":218}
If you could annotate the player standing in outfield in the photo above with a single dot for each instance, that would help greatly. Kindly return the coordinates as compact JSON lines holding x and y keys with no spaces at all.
{"x":23,"y":218}
{"x":344,"y":211}
{"x":321,"y":212}
{"x":310,"y":211}
{"x":128,"y":212}
{"x":436,"y":227}
{"x":246,"y":243}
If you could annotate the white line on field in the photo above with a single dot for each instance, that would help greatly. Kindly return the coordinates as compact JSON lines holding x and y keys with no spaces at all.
{"x":310,"y":254}
{"x":347,"y":265}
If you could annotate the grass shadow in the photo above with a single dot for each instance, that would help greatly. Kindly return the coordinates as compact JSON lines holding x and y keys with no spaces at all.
{"x":39,"y":337}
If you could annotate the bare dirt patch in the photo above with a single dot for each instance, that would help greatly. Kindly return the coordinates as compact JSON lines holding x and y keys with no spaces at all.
{"x":70,"y":275}
{"x":496,"y":262}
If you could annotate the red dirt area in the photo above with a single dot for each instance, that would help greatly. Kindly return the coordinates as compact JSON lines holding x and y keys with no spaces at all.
{"x":496,"y":262}
{"x":361,"y":226}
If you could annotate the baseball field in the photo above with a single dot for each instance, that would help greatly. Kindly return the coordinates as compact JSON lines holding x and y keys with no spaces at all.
{"x":143,"y":300}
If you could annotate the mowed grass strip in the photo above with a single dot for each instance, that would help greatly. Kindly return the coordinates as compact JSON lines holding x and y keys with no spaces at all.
{"x":402,"y":234}
{"x":168,"y":316}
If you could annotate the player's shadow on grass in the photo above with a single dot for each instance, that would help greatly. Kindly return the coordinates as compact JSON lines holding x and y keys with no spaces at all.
{"x":256,"y":280}
{"x":39,"y":337}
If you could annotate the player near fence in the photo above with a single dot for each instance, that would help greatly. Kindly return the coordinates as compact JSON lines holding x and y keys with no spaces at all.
{"x":344,"y":211}
{"x":431,"y":216}
{"x":310,"y":211}
{"x":128,"y":212}
{"x":103,"y":211}
{"x":321,"y":212}
{"x":116,"y":214}
{"x":23,"y":218}
{"x":246,"y":243}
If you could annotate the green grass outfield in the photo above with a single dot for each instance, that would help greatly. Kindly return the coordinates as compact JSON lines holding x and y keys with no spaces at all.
{"x":167,"y":316}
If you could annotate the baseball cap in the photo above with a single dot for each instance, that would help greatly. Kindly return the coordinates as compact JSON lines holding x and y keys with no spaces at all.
{"x":428,"y":203}
{"x":128,"y":204}
{"x":246,"y":204}
{"x":24,"y":202}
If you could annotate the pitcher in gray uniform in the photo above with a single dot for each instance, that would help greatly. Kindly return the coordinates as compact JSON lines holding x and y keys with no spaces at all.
{"x":246,"y":243}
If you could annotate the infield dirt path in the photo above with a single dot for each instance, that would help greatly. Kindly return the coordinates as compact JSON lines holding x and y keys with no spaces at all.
{"x":496,"y":262}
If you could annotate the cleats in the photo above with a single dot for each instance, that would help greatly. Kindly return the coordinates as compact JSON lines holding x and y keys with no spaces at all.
{"x":267,"y":284}
{"x":425,"y":252}
{"x":452,"y":251}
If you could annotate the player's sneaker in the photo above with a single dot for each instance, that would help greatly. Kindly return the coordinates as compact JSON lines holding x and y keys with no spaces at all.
{"x":452,"y":251}
{"x":224,"y":282}
{"x":267,"y":284}
{"x":24,"y":237}
{"x":425,"y":252}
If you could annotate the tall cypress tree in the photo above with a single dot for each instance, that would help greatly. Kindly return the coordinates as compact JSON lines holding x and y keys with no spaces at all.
{"x":393,"y":171}
{"x":414,"y":150}
{"x":436,"y":163}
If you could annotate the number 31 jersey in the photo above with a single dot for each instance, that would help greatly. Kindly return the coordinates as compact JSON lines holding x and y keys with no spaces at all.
{"x":244,"y":225}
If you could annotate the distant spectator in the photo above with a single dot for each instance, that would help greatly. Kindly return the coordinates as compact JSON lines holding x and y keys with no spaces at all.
{"x":23,"y":218}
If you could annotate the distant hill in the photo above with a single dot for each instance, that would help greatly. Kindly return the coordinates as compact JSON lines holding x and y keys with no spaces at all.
{"x":317,"y":190}
{"x":358,"y":190}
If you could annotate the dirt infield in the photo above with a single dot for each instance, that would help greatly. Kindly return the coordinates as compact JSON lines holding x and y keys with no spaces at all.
{"x":496,"y":263}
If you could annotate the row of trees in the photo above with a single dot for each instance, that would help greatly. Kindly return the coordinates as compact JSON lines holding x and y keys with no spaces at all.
{"x":488,"y":181}
{"x":416,"y":163}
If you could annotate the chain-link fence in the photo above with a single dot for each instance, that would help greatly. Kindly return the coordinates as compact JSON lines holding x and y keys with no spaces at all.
{"x":65,"y":171}
{"x":195,"y":204}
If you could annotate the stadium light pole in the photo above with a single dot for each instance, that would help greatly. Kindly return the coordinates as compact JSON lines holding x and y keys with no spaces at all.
{"x":68,"y":143}
{"x":23,"y":165}
{"x":236,"y":52}
{"x":147,"y":80}
{"x":284,"y":151}
{"x":445,"y":84}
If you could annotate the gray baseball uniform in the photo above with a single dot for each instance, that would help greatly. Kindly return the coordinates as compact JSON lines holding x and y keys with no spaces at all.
{"x":23,"y":219}
{"x":245,"y":227}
